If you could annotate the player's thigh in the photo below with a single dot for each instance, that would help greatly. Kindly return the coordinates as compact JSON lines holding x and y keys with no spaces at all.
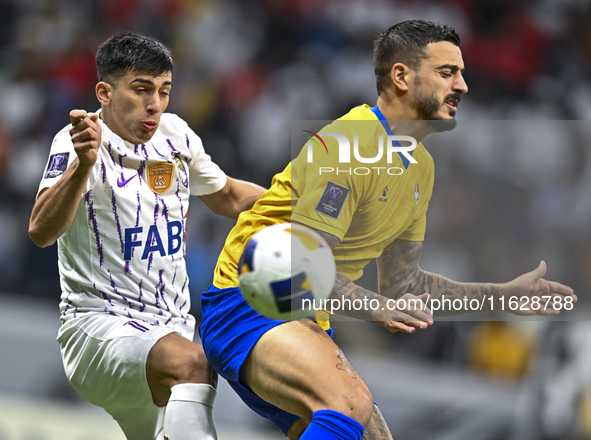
{"x":297,"y":367}
{"x":140,"y":423}
{"x":105,"y":359}
{"x":174,"y":360}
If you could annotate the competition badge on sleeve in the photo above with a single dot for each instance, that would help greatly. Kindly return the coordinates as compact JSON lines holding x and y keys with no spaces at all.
{"x":160,"y":176}
{"x":332,"y":200}
{"x":57,"y":165}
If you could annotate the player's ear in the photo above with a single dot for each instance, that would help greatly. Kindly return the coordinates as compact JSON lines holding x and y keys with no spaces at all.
{"x":104,"y":91}
{"x":399,"y":75}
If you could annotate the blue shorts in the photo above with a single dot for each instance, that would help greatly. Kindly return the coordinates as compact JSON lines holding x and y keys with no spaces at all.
{"x":229,"y":330}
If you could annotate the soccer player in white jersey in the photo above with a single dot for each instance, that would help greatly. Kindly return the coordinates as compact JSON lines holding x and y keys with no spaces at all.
{"x":115,"y":196}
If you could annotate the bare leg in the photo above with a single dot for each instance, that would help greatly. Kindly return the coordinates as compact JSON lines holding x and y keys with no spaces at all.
{"x":376,"y":429}
{"x":180,"y":377}
{"x":175,"y":360}
{"x":298,"y":368}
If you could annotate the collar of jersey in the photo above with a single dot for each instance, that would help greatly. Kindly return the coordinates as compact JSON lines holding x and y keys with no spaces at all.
{"x":386,"y":126}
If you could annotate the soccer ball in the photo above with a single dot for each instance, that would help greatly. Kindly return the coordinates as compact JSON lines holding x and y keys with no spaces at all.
{"x":285,"y":270}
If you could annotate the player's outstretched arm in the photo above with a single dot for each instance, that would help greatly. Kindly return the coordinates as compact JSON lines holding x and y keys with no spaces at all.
{"x":236,"y":196}
{"x":346,"y":295}
{"x":399,"y":273}
{"x":56,"y":206}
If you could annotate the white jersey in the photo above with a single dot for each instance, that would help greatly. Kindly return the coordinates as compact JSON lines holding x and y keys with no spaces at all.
{"x":124,"y":252}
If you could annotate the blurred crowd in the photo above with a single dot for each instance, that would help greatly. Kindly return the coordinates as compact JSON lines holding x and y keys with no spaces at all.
{"x":512,"y":181}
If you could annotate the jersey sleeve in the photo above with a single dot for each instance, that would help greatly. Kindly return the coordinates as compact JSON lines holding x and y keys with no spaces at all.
{"x":416,"y":230}
{"x":61,"y":155}
{"x":205,"y":177}
{"x":326,"y":201}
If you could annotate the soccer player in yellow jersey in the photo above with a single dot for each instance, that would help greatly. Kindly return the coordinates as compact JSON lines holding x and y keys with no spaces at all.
{"x":292,"y":372}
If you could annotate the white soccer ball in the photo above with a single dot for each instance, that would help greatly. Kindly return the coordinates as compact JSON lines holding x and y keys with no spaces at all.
{"x":285,"y":271}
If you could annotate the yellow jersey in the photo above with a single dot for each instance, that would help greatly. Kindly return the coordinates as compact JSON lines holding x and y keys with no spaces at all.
{"x":365,"y":204}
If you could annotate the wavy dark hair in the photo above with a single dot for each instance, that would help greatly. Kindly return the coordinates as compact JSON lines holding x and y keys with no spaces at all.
{"x":405,"y":42}
{"x":130,"y":52}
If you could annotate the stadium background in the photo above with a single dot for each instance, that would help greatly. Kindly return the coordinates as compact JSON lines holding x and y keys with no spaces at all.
{"x":244,"y":69}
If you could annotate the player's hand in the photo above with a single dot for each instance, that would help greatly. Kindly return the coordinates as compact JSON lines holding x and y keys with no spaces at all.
{"x":531,"y":286}
{"x":86,"y":136}
{"x":407,"y":319}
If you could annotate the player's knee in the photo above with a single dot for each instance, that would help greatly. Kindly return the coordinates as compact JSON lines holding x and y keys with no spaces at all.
{"x":359,"y":405}
{"x":353,"y":400}
{"x":194,"y":367}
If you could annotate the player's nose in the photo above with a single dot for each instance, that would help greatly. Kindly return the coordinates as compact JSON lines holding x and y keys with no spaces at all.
{"x":460,"y":85}
{"x":154,"y":104}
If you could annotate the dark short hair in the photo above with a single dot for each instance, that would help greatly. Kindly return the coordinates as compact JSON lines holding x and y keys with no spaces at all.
{"x":130,"y":52}
{"x":405,"y":42}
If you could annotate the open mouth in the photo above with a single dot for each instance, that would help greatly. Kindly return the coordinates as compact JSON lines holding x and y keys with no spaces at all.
{"x":452,"y":103}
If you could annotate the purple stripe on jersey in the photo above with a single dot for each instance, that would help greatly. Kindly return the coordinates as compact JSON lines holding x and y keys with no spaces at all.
{"x":116,"y":291}
{"x":178,"y":196}
{"x":183,"y":292}
{"x":126,"y":268}
{"x":137,"y":326}
{"x":143,"y":306}
{"x":92,"y":221}
{"x":110,"y":150}
{"x":137,"y":222}
{"x":164,"y":207}
{"x":142,"y":151}
{"x":156,"y":208}
{"x":150,"y":260}
{"x":135,"y":150}
{"x":189,"y":159}
{"x":137,"y":216}
{"x":171,"y":146}
{"x":151,"y":257}
{"x":162,"y":287}
{"x":157,"y":152}
{"x":68,"y":305}
{"x":103,"y":170}
{"x":106,"y":298}
{"x":103,"y":294}
{"x":116,"y":215}
{"x":140,"y":170}
{"x":121,"y":156}
{"x":177,"y":292}
{"x":157,"y":300}
{"x":172,"y":284}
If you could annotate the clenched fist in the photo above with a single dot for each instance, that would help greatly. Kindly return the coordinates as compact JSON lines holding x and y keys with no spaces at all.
{"x":86,"y":136}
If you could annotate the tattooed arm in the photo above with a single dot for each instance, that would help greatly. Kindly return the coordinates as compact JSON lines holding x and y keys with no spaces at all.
{"x":392,"y":320}
{"x":399,"y":273}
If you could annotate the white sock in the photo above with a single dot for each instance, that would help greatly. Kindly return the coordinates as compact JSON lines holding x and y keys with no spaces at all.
{"x":189,"y":412}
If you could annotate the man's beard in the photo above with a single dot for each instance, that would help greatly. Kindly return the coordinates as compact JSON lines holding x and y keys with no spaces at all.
{"x":427,"y":108}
